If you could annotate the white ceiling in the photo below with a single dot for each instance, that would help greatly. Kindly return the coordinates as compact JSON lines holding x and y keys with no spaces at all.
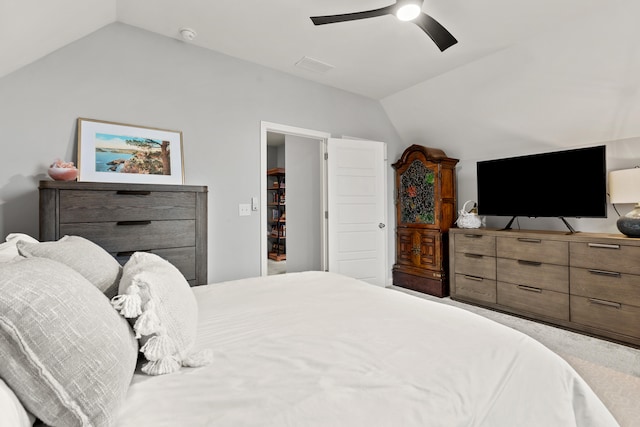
{"x":375,"y":57}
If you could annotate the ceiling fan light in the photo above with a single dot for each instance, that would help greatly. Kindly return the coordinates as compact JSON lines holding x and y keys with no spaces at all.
{"x":408,"y":12}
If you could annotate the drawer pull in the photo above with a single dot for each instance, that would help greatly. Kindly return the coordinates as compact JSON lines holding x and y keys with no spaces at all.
{"x":133,"y":193}
{"x":605,"y":273}
{"x":133,"y":222}
{"x":473,"y":255}
{"x":528,"y":240}
{"x":473,"y":236}
{"x":129,"y":253}
{"x":529,"y":289}
{"x":603,"y":246}
{"x":615,"y":305}
{"x":532,"y":263}
{"x":477,"y":279}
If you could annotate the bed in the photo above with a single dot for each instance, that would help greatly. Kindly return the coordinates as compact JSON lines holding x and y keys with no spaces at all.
{"x":321,"y":349}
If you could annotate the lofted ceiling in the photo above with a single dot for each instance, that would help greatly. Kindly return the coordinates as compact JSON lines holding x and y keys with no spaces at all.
{"x":375,"y":57}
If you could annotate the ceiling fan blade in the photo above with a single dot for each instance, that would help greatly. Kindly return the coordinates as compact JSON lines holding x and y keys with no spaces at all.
{"x":440,"y":36}
{"x":330,"y":19}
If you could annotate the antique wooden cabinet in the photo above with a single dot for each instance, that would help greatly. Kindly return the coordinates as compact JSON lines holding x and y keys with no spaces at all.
{"x":425,"y":210}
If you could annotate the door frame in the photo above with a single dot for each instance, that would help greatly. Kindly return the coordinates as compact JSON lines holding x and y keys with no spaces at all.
{"x":294,"y":131}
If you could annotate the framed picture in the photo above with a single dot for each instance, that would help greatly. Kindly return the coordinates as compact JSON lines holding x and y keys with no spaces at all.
{"x":116,"y":152}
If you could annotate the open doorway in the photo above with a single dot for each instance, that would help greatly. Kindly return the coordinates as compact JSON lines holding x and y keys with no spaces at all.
{"x":300,"y":238}
{"x":276,"y":204}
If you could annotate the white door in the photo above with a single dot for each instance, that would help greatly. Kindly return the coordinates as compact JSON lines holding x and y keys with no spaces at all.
{"x":357,"y":209}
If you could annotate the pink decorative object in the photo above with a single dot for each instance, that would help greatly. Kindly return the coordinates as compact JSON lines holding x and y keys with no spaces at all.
{"x":63,"y":171}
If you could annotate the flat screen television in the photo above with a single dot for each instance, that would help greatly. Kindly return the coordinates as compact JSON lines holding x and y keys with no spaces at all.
{"x":569,"y":183}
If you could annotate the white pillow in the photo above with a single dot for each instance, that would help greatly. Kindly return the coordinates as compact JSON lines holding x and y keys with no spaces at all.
{"x":9,"y":250}
{"x":12,"y":413}
{"x":64,"y":351}
{"x":84,"y":256}
{"x":157,"y":296}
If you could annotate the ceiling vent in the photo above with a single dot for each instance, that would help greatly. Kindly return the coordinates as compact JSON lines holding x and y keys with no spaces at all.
{"x":311,"y":64}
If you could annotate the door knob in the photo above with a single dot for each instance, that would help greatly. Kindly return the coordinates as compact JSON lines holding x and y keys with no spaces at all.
{"x":381,"y":225}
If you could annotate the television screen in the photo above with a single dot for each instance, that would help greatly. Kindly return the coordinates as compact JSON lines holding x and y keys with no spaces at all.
{"x":570,"y":183}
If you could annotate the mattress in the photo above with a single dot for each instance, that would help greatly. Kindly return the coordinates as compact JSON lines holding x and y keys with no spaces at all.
{"x":320,"y":349}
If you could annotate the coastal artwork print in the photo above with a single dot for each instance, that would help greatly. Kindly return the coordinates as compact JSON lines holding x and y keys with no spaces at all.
{"x":114,"y":152}
{"x":130,"y":154}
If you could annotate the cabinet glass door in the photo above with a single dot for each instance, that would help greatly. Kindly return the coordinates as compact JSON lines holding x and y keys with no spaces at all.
{"x":417,"y":194}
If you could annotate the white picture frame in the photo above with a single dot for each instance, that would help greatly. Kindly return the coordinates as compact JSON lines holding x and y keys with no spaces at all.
{"x":118,"y":152}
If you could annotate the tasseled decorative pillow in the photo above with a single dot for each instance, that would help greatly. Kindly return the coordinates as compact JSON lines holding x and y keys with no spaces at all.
{"x":164,"y":313}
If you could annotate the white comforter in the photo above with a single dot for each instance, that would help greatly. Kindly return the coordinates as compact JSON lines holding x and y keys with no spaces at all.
{"x":318,"y":349}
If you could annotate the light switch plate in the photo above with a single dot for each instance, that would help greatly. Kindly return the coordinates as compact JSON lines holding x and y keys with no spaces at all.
{"x":244,"y":209}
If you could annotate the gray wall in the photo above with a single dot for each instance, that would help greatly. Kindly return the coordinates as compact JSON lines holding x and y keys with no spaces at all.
{"x":275,"y":157}
{"x":562,"y":87}
{"x":124,"y":74}
{"x":304,"y":203}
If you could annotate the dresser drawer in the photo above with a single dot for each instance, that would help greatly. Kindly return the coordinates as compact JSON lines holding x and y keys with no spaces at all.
{"x":532,"y":249}
{"x":534,"y":273}
{"x":123,"y":205}
{"x":476,"y":265}
{"x":606,"y":285}
{"x":140,"y":236}
{"x":184,"y":259}
{"x":475,"y":243}
{"x":612,"y":257}
{"x":534,"y":300}
{"x":611,"y":316}
{"x":476,"y":288}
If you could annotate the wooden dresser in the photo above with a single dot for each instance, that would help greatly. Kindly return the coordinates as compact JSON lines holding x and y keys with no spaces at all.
{"x":168,"y":220}
{"x":425,"y":209}
{"x":587,"y":282}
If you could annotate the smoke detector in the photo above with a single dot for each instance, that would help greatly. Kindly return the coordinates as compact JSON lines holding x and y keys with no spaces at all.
{"x":188,"y":34}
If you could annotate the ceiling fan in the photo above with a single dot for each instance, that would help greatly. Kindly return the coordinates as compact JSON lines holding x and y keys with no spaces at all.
{"x":405,"y":10}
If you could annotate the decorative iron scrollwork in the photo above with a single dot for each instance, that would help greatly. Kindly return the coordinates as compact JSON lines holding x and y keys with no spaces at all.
{"x":417,"y":194}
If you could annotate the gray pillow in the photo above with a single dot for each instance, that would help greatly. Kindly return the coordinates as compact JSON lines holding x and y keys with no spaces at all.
{"x":9,"y":249}
{"x":84,"y":256}
{"x":66,"y":354}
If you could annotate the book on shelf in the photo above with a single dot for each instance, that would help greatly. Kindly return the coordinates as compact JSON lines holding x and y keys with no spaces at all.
{"x":278,"y":230}
{"x":278,"y":247}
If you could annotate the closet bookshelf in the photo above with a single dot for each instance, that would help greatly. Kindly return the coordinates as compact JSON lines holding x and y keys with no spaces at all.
{"x":276,"y":189}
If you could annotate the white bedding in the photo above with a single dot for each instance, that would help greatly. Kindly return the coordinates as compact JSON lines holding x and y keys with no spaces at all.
{"x":318,"y":349}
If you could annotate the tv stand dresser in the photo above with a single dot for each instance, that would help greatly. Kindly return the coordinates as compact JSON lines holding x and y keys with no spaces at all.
{"x":587,"y":282}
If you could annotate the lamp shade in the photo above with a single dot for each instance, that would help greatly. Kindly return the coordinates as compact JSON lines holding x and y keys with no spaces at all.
{"x":624,"y":186}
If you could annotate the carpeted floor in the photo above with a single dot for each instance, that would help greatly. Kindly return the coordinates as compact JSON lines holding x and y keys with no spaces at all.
{"x":276,"y":267}
{"x":612,"y":370}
